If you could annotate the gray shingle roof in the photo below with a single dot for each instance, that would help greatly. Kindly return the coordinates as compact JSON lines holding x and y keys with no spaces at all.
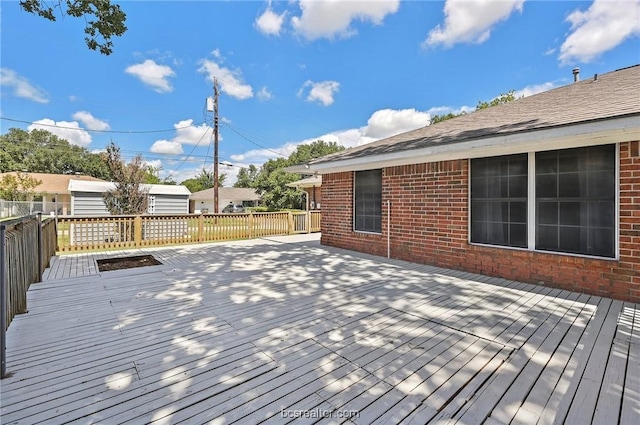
{"x":611,"y":95}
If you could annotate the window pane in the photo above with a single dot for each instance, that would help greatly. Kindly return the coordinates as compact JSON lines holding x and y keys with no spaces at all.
{"x":518,"y":212}
{"x":548,"y":212}
{"x":547,"y":237}
{"x":546,"y":185}
{"x":368,"y":201}
{"x":575,"y":204}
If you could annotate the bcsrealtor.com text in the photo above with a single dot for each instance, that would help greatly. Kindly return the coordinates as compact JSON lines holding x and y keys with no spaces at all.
{"x":319,"y":413}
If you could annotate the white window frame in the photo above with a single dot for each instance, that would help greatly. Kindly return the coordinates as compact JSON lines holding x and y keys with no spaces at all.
{"x":151,"y":204}
{"x":531,"y":211}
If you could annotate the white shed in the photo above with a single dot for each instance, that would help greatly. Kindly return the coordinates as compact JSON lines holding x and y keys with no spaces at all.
{"x":86,"y":198}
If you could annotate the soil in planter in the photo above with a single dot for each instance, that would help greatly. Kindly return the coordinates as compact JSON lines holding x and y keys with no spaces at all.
{"x":121,"y":263}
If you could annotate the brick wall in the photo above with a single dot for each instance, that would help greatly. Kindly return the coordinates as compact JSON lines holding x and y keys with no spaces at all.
{"x":315,"y":195}
{"x":429,"y":224}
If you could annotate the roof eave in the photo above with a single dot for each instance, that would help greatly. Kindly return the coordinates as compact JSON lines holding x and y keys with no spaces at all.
{"x":614,"y":130}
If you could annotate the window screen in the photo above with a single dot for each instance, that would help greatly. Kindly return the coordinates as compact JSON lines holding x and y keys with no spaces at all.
{"x":499,"y":200}
{"x":368,"y":201}
{"x":575,"y":200}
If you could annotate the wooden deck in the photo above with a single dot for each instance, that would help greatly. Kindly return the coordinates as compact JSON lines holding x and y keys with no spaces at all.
{"x":269,"y":329}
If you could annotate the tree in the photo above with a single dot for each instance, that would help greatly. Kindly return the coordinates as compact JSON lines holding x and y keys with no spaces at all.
{"x":103,"y":19}
{"x":246,"y":176}
{"x":39,"y":151}
{"x":271,"y":181}
{"x":129,"y":196}
{"x":203,"y":180}
{"x":18,"y":187}
{"x":500,"y":100}
{"x":152,"y":176}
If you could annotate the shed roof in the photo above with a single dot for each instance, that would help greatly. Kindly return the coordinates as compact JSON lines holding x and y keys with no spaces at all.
{"x":102,"y":186}
{"x":55,"y":184}
{"x":234,"y":193}
{"x":313,"y":181}
{"x":600,"y":98}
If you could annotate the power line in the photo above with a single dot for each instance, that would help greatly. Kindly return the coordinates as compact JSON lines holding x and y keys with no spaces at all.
{"x":251,"y":141}
{"x":103,"y":131}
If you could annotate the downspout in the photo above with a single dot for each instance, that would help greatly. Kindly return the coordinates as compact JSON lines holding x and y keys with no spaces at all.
{"x":388,"y":228}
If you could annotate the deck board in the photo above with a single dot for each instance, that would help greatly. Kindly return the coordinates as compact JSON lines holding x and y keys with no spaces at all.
{"x":238,"y":332}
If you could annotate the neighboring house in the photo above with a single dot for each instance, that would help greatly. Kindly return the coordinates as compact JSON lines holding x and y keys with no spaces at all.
{"x":544,"y":189}
{"x":52,"y":194}
{"x":312,"y":186}
{"x":202,"y":201}
{"x":86,"y":198}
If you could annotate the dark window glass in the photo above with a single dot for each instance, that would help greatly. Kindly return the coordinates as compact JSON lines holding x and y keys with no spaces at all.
{"x":499,"y":200}
{"x":575,"y":201}
{"x":368,"y":201}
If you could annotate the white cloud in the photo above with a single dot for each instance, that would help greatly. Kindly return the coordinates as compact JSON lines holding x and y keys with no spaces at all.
{"x":186,"y":134}
{"x":68,"y":130}
{"x":270,"y":23}
{"x":166,"y":147}
{"x":388,"y":122}
{"x":91,"y":122}
{"x":602,"y":27}
{"x":264,"y":94}
{"x":469,"y":21}
{"x":230,"y":81}
{"x":21,"y":86}
{"x":331,"y":19}
{"x":190,"y":134}
{"x":155,"y":163}
{"x":322,"y":91}
{"x":534,"y":89}
{"x":382,"y":123}
{"x":154,"y":75}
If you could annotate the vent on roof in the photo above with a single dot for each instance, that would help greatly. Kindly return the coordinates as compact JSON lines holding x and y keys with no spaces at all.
{"x":576,"y":74}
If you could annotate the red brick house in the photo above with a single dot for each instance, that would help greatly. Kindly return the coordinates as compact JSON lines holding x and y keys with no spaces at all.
{"x":313,"y":188}
{"x":544,"y":189}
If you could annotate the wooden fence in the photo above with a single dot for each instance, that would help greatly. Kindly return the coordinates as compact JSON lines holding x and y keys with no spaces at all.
{"x":26,"y":247}
{"x":109,"y":232}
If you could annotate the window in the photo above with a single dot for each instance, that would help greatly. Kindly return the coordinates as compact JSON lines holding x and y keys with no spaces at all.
{"x":575,"y":200}
{"x":368,"y":201}
{"x":499,"y":200}
{"x":573,"y":209}
{"x":151,"y":205}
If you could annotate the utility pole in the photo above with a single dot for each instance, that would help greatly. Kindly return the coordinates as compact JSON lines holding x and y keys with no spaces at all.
{"x":215,"y":146}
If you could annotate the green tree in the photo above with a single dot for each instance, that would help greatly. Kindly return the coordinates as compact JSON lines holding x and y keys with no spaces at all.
{"x":152,"y":176}
{"x":39,"y":151}
{"x":203,"y":180}
{"x":18,"y":187}
{"x":247,"y":176}
{"x":500,"y":100}
{"x":103,"y":19}
{"x":271,"y":181}
{"x":129,"y":196}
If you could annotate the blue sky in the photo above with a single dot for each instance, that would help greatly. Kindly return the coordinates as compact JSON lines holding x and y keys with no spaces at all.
{"x":293,"y":72}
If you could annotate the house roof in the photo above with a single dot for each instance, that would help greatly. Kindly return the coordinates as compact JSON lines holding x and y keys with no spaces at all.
{"x":313,"y":181}
{"x":102,"y":186}
{"x":55,"y":184}
{"x":233,"y":193}
{"x":591,"y":111}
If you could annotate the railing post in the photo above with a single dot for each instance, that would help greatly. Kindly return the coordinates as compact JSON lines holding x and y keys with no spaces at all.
{"x":250,"y":224}
{"x":3,"y":303}
{"x":308,"y":221}
{"x":291,"y":224}
{"x":201,"y":227}
{"x":137,"y":225}
{"x":40,"y":247}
